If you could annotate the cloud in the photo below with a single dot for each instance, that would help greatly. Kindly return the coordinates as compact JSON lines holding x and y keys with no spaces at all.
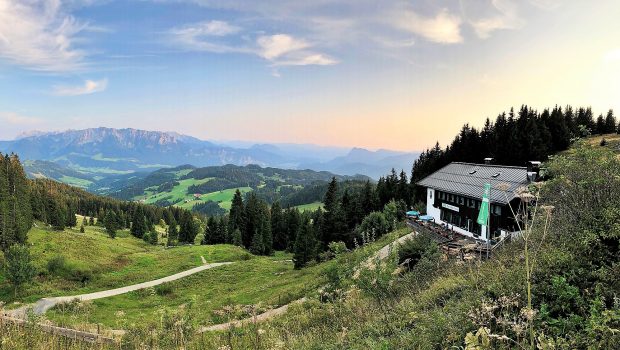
{"x":18,"y":119}
{"x":39,"y":36}
{"x":279,"y":49}
{"x":205,"y":36}
{"x":285,"y":50}
{"x":89,"y":87}
{"x":206,"y":28}
{"x":505,"y":16}
{"x":443,"y":28}
{"x":274,"y":46}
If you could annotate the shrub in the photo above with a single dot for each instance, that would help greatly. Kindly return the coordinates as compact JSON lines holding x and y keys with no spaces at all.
{"x":164,"y":289}
{"x":80,"y":274}
{"x":376,"y":223}
{"x":417,"y":248}
{"x":57,"y":265}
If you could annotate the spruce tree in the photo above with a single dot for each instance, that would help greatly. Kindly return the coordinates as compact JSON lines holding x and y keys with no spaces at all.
{"x":110,"y":224}
{"x":138,"y":224}
{"x":236,"y":238}
{"x":71,"y":217}
{"x":304,"y":249}
{"x":610,"y":122}
{"x":188,"y":230}
{"x":334,"y":225}
{"x":173,"y":233}
{"x":4,"y":202}
{"x":278,"y":227}
{"x":18,"y":265}
{"x":236,"y":216}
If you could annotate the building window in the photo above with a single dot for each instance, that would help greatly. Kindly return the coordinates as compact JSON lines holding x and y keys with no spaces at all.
{"x":461,"y":200}
{"x":497,"y":210}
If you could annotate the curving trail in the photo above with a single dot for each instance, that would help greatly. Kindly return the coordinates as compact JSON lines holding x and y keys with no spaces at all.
{"x":381,"y":254}
{"x":41,"y":306}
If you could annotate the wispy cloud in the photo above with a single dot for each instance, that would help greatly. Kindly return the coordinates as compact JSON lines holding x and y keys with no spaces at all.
{"x":285,"y":50}
{"x":39,"y":36}
{"x":279,"y":49}
{"x":443,"y":28}
{"x":18,"y":119}
{"x":505,"y":16}
{"x":89,"y":87}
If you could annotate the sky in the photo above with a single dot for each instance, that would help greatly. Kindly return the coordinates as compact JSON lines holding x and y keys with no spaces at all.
{"x":376,"y":74}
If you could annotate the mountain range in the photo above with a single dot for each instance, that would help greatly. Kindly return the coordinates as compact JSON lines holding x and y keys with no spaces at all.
{"x":100,"y":152}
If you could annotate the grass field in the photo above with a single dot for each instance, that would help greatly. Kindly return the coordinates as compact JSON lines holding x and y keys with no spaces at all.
{"x":105,"y":262}
{"x":179,"y":194}
{"x":310,"y":206}
{"x":74,"y":181}
{"x":261,"y":281}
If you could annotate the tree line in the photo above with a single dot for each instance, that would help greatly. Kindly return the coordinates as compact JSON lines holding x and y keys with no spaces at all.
{"x":56,"y":204}
{"x":514,"y":138}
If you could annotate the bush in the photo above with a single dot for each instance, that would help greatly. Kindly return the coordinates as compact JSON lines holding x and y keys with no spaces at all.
{"x":376,"y":223}
{"x":164,"y":289}
{"x":81,"y":274}
{"x":57,"y":265}
{"x":416,"y":248}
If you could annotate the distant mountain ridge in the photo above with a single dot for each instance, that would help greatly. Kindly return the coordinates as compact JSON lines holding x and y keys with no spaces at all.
{"x":105,"y":151}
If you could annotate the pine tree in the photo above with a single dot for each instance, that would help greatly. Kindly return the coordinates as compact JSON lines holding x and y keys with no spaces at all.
{"x":210,"y":234}
{"x":278,"y":227}
{"x":236,"y":238}
{"x":610,"y":122}
{"x":173,"y":233}
{"x":600,"y":125}
{"x":110,"y":224}
{"x":293,"y":221}
{"x":334,"y":226}
{"x":4,"y":201}
{"x":57,"y":214}
{"x":91,"y":221}
{"x":71,"y":217}
{"x":15,"y":206}
{"x":139,"y":226}
{"x":188,"y":228}
{"x":82,"y":228}
{"x":236,"y":216}
{"x":304,"y":249}
{"x":18,"y":265}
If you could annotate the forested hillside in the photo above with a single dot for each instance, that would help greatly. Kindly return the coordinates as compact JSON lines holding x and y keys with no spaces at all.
{"x":209,"y":190}
{"x":515,"y":138}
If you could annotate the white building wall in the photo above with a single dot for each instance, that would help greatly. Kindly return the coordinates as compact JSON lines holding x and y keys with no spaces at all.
{"x":430,"y":210}
{"x":436,"y":214}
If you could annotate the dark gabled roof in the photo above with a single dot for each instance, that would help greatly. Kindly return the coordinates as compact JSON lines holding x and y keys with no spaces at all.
{"x":468,"y":179}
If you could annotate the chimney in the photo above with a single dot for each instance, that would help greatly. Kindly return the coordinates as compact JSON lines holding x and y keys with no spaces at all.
{"x":533,"y":170}
{"x":488,"y":161}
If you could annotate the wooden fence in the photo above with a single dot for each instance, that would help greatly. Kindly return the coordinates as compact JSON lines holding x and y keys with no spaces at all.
{"x":63,"y":332}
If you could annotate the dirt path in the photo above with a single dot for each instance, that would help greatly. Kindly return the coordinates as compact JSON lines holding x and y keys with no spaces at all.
{"x":41,"y":306}
{"x":258,"y":318}
{"x":380,"y":254}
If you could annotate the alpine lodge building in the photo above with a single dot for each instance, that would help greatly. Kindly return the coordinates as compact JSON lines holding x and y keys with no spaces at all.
{"x":454,"y":195}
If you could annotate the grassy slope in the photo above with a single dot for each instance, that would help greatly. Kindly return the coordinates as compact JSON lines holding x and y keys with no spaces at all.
{"x":262,"y":280}
{"x":187,"y":201}
{"x":113,"y":263}
{"x":310,"y":206}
